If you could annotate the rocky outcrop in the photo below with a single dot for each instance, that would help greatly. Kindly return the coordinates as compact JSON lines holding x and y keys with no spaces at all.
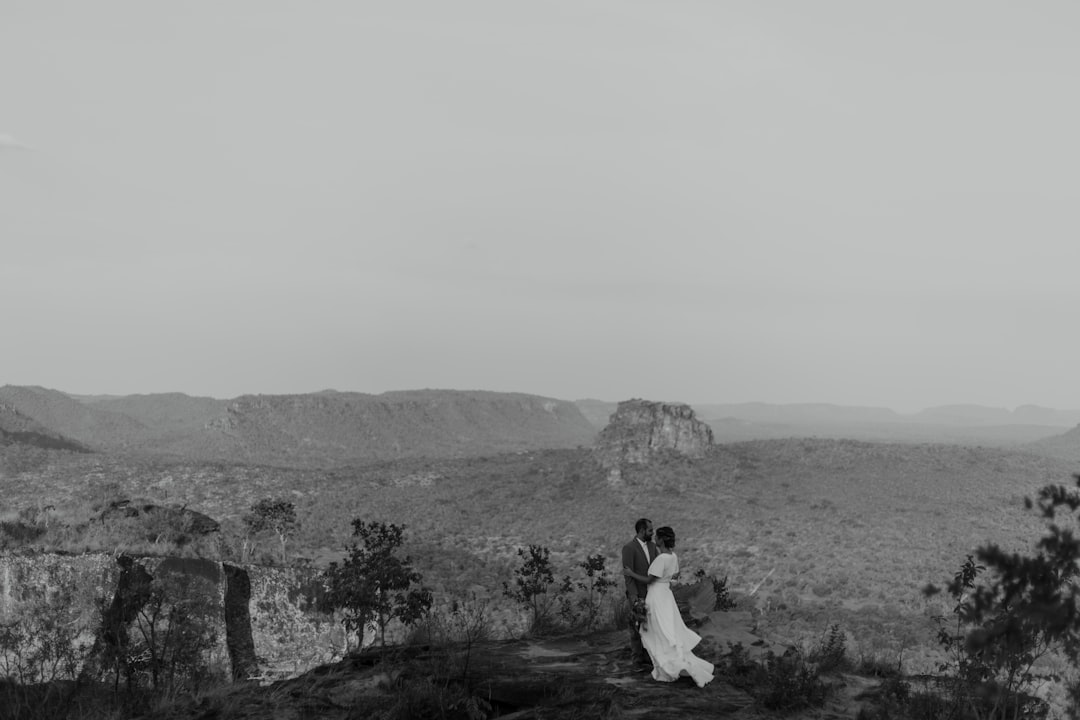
{"x":192,"y":521}
{"x":641,"y":430}
{"x":238,"y":638}
{"x":263,"y":621}
{"x":134,"y":587}
{"x":578,"y":675}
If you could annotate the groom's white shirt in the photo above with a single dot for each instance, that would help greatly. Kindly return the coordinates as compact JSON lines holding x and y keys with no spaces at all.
{"x":645,"y":547}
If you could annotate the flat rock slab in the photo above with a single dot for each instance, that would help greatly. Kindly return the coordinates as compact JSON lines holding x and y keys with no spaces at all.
{"x":550,"y":678}
{"x":571,"y":673}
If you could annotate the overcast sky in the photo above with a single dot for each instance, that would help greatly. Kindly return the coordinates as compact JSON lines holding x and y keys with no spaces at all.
{"x":706,"y":201}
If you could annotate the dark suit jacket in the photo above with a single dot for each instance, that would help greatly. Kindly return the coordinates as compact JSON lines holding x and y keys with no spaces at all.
{"x":634,"y":558}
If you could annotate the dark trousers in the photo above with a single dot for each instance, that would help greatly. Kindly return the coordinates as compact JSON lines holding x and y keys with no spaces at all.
{"x":637,"y":650}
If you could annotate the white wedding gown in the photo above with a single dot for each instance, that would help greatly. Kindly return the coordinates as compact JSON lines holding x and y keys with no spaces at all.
{"x":664,"y":634}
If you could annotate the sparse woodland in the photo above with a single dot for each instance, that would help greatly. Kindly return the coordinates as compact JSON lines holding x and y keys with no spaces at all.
{"x":830,"y":544}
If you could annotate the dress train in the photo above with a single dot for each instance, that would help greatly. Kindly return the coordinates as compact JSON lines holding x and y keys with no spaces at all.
{"x":665,"y":636}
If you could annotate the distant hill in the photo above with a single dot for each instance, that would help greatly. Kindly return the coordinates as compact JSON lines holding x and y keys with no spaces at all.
{"x":26,"y":445}
{"x":959,"y":424}
{"x":759,"y":412}
{"x":306,"y":430}
{"x":161,"y":409}
{"x":824,"y":413}
{"x":11,"y":420}
{"x":330,"y":427}
{"x":1065,"y":446}
{"x":63,"y":415}
{"x":420,"y":423}
{"x":597,"y":412}
{"x":164,"y":419}
{"x":1036,"y":415}
{"x":983,"y":415}
{"x":17,"y":429}
{"x":965,"y":415}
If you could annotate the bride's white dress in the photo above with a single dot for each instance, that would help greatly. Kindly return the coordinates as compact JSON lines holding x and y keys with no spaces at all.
{"x":664,"y":634}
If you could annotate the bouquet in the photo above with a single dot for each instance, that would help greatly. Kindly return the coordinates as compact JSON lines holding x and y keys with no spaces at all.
{"x":639,"y":613}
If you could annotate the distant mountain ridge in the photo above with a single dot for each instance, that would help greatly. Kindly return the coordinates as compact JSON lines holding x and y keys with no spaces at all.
{"x":330,"y":427}
{"x":941,"y":414}
{"x":437,"y":423}
{"x":309,"y":429}
{"x":796,"y":412}
{"x":597,"y":412}
{"x":980,"y":414}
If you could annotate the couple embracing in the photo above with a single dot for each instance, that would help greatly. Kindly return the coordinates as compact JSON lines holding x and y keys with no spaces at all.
{"x":657,"y":631}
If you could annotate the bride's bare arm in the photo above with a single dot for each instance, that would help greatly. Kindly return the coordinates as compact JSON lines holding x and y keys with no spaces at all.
{"x":641,"y":578}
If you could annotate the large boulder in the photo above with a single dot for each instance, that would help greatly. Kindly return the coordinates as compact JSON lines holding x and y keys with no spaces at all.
{"x":243,"y":620}
{"x":640,"y":431}
{"x":696,"y":601}
{"x":184,"y":522}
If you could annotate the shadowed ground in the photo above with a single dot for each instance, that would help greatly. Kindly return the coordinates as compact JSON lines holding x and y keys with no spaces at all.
{"x":557,"y":678}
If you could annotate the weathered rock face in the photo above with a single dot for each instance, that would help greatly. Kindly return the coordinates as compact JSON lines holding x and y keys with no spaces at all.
{"x":237,"y":607}
{"x":257,"y":621}
{"x":264,"y":621}
{"x":641,"y":430}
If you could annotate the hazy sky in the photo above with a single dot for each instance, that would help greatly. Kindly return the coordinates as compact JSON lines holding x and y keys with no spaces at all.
{"x":851,"y":202}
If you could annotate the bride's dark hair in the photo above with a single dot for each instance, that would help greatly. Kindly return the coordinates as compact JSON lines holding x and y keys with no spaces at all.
{"x":667,"y":535}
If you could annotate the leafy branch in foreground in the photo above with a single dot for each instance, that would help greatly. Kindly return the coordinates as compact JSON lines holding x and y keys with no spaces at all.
{"x":1027,"y":608}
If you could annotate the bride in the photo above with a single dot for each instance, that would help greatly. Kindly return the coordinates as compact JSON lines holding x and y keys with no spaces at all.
{"x":664,"y":634}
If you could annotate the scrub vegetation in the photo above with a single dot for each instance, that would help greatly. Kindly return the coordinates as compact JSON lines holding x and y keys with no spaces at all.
{"x":829,"y":544}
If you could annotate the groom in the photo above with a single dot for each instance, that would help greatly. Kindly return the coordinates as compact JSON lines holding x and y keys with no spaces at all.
{"x":637,"y":555}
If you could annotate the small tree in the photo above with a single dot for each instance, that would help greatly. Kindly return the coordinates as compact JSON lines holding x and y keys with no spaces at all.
{"x":585,"y":609}
{"x":373,"y":585}
{"x":41,"y":642}
{"x":1029,"y":605}
{"x":963,"y":670}
{"x":467,"y":623}
{"x":597,"y":585}
{"x":532,"y":581}
{"x":276,"y":515}
{"x":174,"y":632}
